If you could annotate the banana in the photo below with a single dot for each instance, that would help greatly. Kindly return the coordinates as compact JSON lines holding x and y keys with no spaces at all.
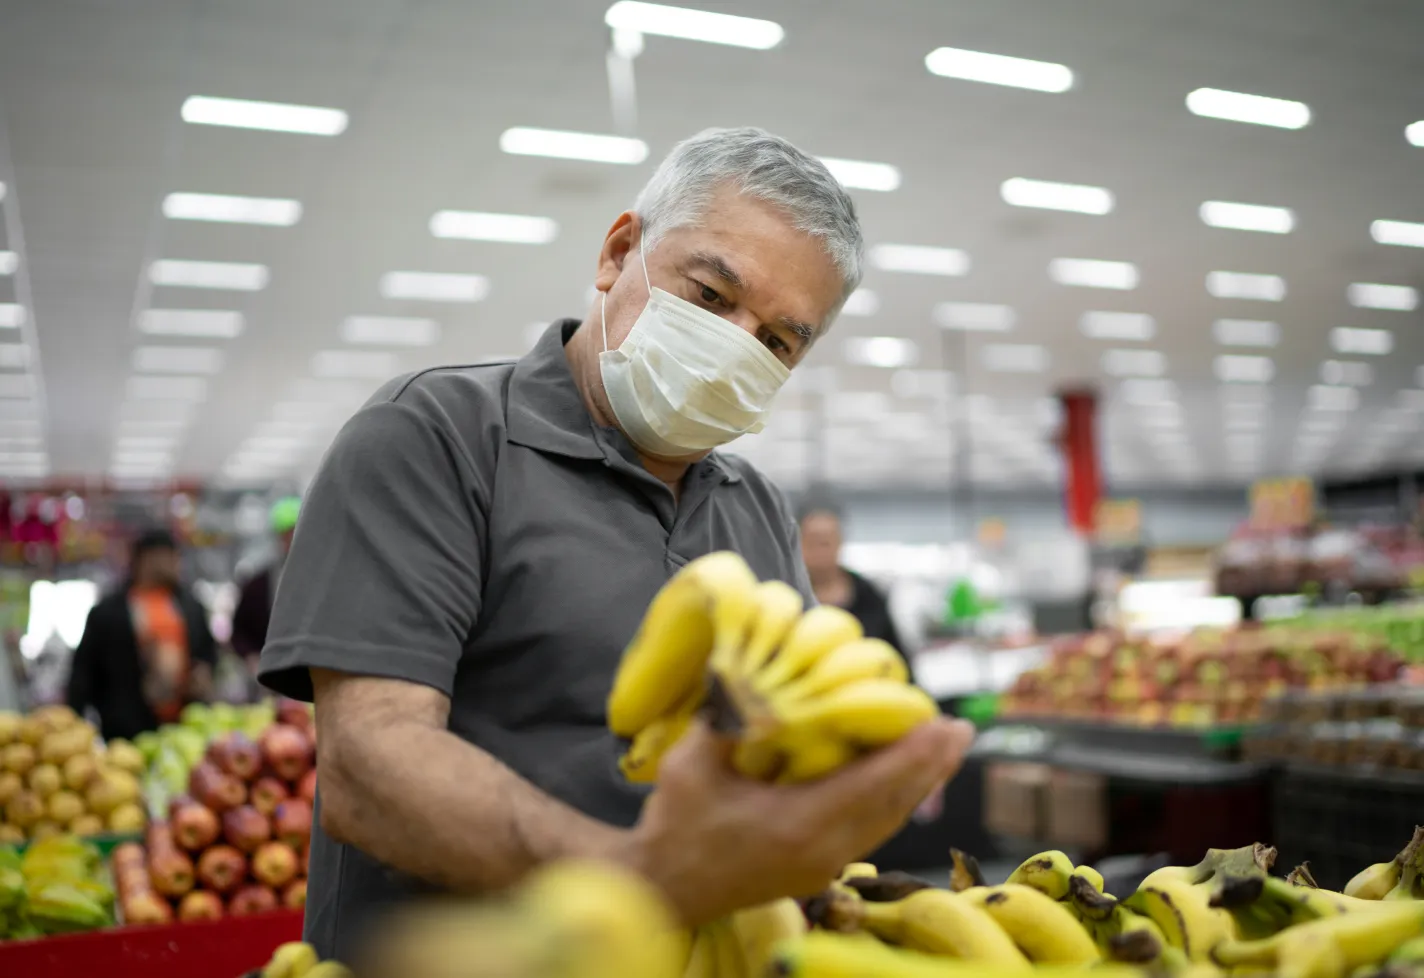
{"x":1330,"y":947}
{"x":822,"y":954}
{"x":727,"y":950}
{"x":1181,"y":910}
{"x":815,"y":633}
{"x":1411,"y":951}
{"x":966,"y":872}
{"x":702,"y":959}
{"x":291,"y":960}
{"x":940,"y":922}
{"x":1041,"y":927}
{"x":866,"y":658}
{"x":814,"y":759}
{"x":778,"y":605}
{"x":868,"y":713}
{"x":1374,"y":882}
{"x":1086,"y":898}
{"x":706,"y":603}
{"x":1134,"y":939}
{"x":858,"y":871}
{"x":1046,"y":872}
{"x":759,"y":930}
{"x":1094,"y":878}
{"x":759,"y":759}
{"x":639,"y":762}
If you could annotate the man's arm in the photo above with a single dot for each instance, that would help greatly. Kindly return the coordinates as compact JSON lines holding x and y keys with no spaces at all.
{"x":399,"y":786}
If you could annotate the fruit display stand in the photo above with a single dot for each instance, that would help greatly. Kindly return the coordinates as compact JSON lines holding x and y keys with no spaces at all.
{"x":223,"y":948}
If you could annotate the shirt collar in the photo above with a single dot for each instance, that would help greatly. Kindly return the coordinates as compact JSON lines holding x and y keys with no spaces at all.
{"x":546,"y":410}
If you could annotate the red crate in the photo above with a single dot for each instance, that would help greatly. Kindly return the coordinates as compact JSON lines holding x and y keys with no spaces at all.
{"x":203,"y":949}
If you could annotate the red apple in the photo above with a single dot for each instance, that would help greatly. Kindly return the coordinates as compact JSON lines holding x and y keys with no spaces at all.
{"x":306,"y":787}
{"x":222,"y":869}
{"x":295,"y":895}
{"x":216,"y":788}
{"x":236,"y":754}
{"x":250,"y":900}
{"x":147,"y":908}
{"x":245,"y":828}
{"x":275,"y":864}
{"x":195,"y":826}
{"x":177,"y":802}
{"x":294,"y":713}
{"x":266,"y":794}
{"x":201,"y":905}
{"x":287,"y":751}
{"x":292,"y":823}
{"x":171,"y":872}
{"x":158,"y":837}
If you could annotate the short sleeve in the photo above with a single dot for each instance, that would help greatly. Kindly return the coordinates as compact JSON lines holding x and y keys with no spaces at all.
{"x":384,"y":574}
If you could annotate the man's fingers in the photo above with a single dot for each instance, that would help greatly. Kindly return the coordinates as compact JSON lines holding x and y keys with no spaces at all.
{"x":899,"y":776}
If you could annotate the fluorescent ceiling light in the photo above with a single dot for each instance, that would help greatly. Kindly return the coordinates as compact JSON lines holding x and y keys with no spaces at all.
{"x":1019,"y":358}
{"x":1256,"y":109}
{"x":1401,"y":233}
{"x":919,"y":259}
{"x":881,"y":351}
{"x":239,"y":276}
{"x":1165,"y":414}
{"x":143,"y":388}
{"x":863,"y":175}
{"x":1370,"y":342}
{"x":861,"y":302}
{"x":593,"y":147}
{"x":1238,"y":369}
{"x":131,"y":426}
{"x":922,"y":383}
{"x":354,"y":363}
{"x":1368,"y":295}
{"x":1092,"y":273}
{"x":999,"y":69}
{"x":1247,"y":217}
{"x":694,"y":25}
{"x":1246,"y":332}
{"x":1022,"y":192}
{"x":2,"y":191}
{"x":1246,"y":285}
{"x":1134,"y":363}
{"x":974,"y":317}
{"x":144,"y":443}
{"x":274,"y":116}
{"x":17,"y":385}
{"x":1350,"y":373}
{"x":140,"y":459}
{"x":390,"y":330}
{"x":1131,"y":326}
{"x":222,"y":324}
{"x":273,"y":445}
{"x":9,"y":261}
{"x":273,"y":211}
{"x":1414,"y":133}
{"x":14,"y":356}
{"x":434,"y":286}
{"x":1147,"y":391}
{"x":177,"y":360}
{"x":479,"y":226}
{"x":1326,"y":397}
{"x":12,"y":315}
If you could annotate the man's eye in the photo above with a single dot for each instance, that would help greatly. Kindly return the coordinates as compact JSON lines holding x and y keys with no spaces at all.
{"x":710,"y":294}
{"x":776,"y":344}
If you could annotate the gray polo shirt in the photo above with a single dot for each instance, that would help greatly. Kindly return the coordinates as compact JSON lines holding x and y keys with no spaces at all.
{"x":472,"y":529}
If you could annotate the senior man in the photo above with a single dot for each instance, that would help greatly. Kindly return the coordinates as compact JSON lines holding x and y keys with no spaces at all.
{"x":481,"y":542}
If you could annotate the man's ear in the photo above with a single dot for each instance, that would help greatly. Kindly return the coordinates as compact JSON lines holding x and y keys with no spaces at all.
{"x":617,"y":244}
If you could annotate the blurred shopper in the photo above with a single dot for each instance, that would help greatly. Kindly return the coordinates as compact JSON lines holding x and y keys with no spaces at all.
{"x":254,"y":604}
{"x":146,"y":650}
{"x":481,"y":542}
{"x":836,"y":585}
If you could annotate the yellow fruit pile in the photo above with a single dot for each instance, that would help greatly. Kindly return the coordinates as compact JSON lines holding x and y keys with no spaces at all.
{"x":54,"y":778}
{"x":296,"y":959}
{"x":803,"y":692}
{"x":58,"y":886}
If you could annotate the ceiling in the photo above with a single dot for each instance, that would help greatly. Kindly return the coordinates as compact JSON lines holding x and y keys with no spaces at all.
{"x":91,"y":142}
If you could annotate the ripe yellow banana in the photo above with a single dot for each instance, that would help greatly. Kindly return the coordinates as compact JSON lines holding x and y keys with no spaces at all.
{"x":1094,"y":878}
{"x":940,"y":922}
{"x":1182,"y":911}
{"x":1330,"y":947}
{"x":1046,"y":872}
{"x":1086,"y":900}
{"x":868,"y":713}
{"x":866,"y":658}
{"x":700,"y":606}
{"x":822,"y":954}
{"x":814,"y":758}
{"x":777,"y":606}
{"x":857,"y":871}
{"x":291,"y":960}
{"x":1374,"y":882}
{"x":759,"y":930}
{"x":1040,"y":926}
{"x":702,"y":959}
{"x":640,"y":761}
{"x":817,"y":632}
{"x":758,"y":759}
{"x":731,"y":963}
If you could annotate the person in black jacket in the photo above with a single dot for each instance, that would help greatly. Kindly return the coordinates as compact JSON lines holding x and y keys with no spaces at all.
{"x":146,"y":650}
{"x":836,"y":585}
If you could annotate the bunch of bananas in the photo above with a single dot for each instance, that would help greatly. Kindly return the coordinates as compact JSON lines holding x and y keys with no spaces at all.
{"x":804,"y":692}
{"x":1227,"y":913}
{"x":297,"y":959}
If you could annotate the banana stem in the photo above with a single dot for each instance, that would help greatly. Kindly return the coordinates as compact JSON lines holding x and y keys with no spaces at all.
{"x":886,"y":887}
{"x":966,"y":872}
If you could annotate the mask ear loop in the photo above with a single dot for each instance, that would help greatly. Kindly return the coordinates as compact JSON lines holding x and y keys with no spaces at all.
{"x":603,"y":296}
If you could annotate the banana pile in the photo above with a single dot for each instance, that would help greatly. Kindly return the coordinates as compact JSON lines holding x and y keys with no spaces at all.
{"x":1227,"y":914}
{"x":803,"y":692}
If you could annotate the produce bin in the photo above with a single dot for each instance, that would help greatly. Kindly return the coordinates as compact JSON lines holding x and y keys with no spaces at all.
{"x":219,"y":948}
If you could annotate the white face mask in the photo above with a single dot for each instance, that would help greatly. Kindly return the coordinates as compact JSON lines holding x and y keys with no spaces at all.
{"x":685,"y":380}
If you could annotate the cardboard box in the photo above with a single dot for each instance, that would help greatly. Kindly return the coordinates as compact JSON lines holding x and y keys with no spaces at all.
{"x":1014,"y":799}
{"x":1077,"y":810}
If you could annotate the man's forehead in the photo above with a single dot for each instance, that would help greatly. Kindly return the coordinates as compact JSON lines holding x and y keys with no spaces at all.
{"x":726,"y":270}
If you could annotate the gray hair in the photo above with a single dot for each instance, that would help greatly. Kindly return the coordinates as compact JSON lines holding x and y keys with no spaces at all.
{"x":763,"y":166}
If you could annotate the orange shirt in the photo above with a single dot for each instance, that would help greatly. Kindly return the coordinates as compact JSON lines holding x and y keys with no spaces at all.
{"x":162,"y":636}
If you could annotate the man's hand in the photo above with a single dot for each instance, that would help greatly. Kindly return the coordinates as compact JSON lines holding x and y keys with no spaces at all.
{"x":716,"y":842}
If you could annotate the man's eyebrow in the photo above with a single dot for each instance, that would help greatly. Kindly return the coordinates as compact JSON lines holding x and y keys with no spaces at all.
{"x":804,"y":330}
{"x":719,"y":267}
